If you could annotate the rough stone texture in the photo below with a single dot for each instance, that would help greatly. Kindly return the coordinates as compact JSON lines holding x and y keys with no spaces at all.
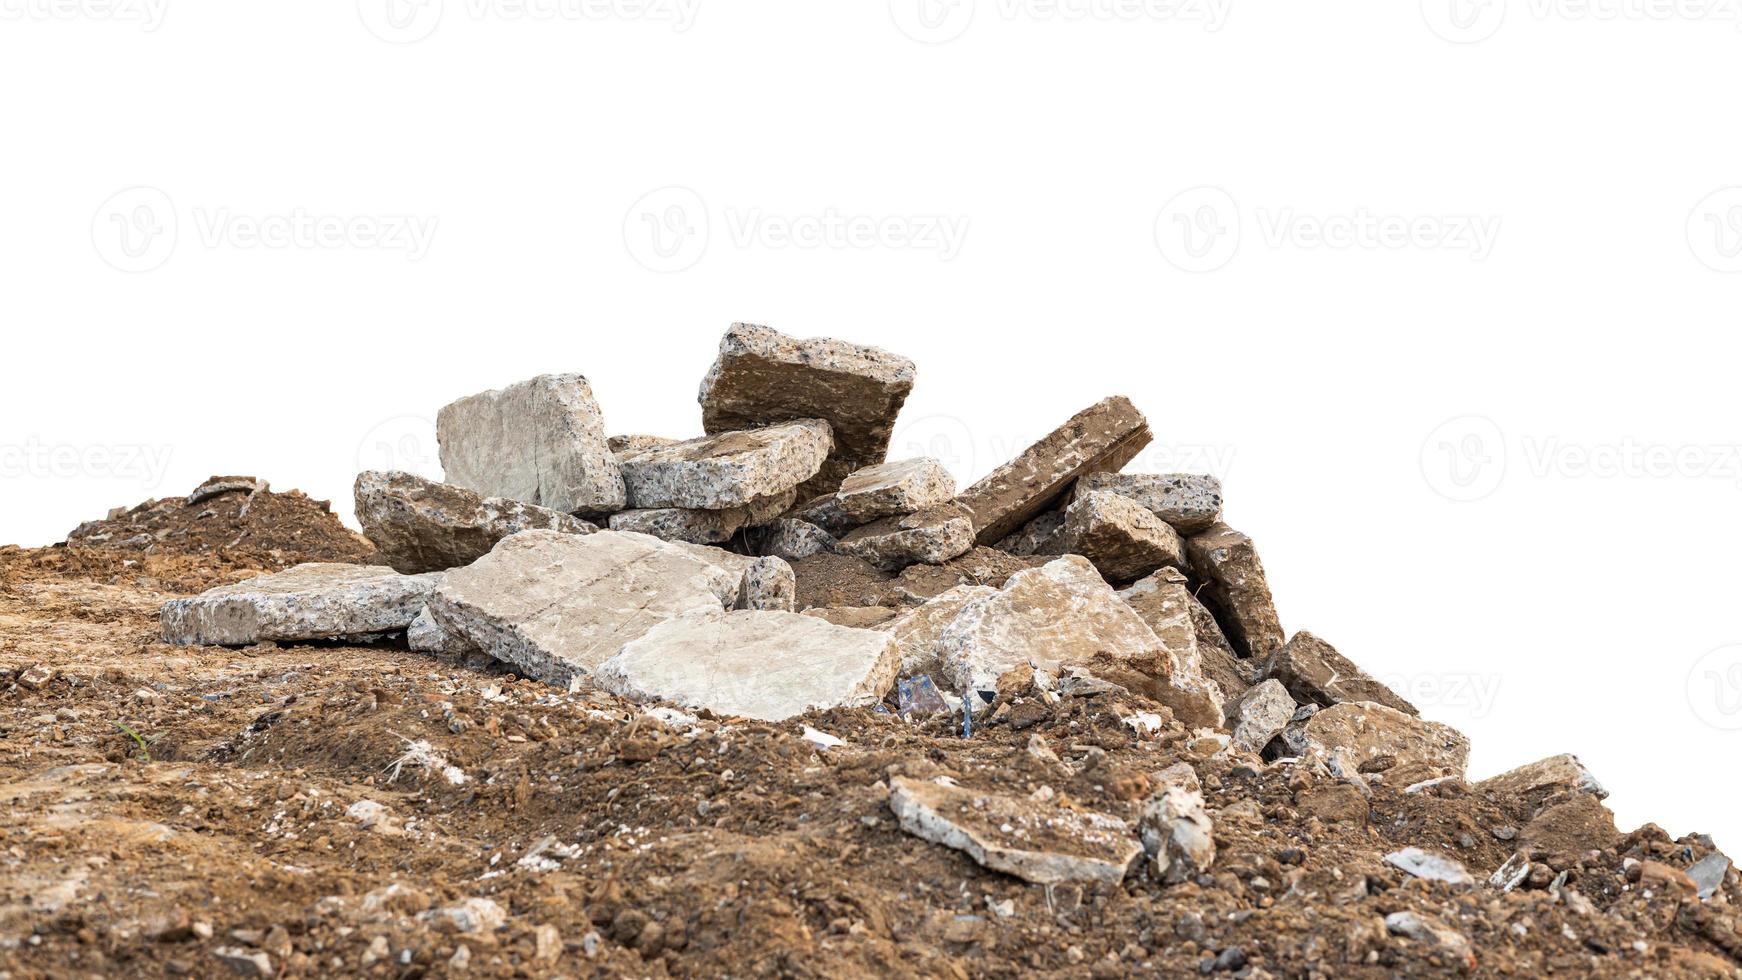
{"x":1545,"y":778}
{"x":765,"y":665}
{"x":1045,"y":535}
{"x":1236,"y":590}
{"x":425,"y":635}
{"x":219,"y":485}
{"x":1429,"y":866}
{"x":825,"y":512}
{"x":763,"y":377}
{"x":932,"y":536}
{"x":918,"y":630}
{"x":1260,"y":715}
{"x":558,"y":605}
{"x":1708,"y":874}
{"x":1313,"y":670}
{"x":623,"y":447}
{"x":792,"y":539}
{"x":1177,"y":832}
{"x":858,"y":617}
{"x":1570,"y":828}
{"x":1104,"y":436}
{"x":541,"y":441}
{"x":731,"y":469}
{"x":681,"y":523}
{"x":419,"y":525}
{"x":1060,"y":615}
{"x":976,"y":566}
{"x":1367,"y":731}
{"x":1164,"y":601}
{"x":769,"y":585}
{"x":1045,"y":843}
{"x":1191,"y":502}
{"x":316,"y":601}
{"x":1124,"y":540}
{"x":899,"y":487}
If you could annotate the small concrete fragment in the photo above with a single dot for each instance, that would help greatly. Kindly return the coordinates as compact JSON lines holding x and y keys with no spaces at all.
{"x":220,"y":485}
{"x":420,"y":525}
{"x":762,"y":377}
{"x":1038,"y":842}
{"x":825,"y":512}
{"x":918,"y":630}
{"x":1708,"y":874}
{"x":1413,"y":926}
{"x":540,"y":441}
{"x":1260,"y":715}
{"x":1104,"y":436}
{"x":1537,"y":781}
{"x":425,"y":635}
{"x":1165,"y":602}
{"x":681,"y":523}
{"x":316,"y":601}
{"x":765,"y":665}
{"x":1190,"y":502}
{"x":1045,"y":535}
{"x":1125,"y":541}
{"x":1177,"y":833}
{"x":931,"y":536}
{"x":1235,"y":589}
{"x":1368,"y":731}
{"x":731,"y":469}
{"x":792,"y":539}
{"x":558,"y":605}
{"x":1314,"y":671}
{"x":899,"y":487}
{"x":1429,"y":866}
{"x":769,"y":585}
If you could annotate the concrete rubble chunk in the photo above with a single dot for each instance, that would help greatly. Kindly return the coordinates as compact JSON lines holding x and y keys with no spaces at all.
{"x":1260,"y":715}
{"x":540,"y":441}
{"x":1125,"y":541}
{"x":1060,"y":615}
{"x":898,"y":487}
{"x":1165,"y":602}
{"x":762,"y":377}
{"x":931,"y":536}
{"x":1045,"y":535}
{"x":316,"y":601}
{"x":825,"y":512}
{"x":1368,"y":731}
{"x":1236,"y":590}
{"x":1313,"y":670}
{"x":625,"y":446}
{"x":792,"y":539}
{"x":425,"y":635}
{"x":1177,"y":832}
{"x":755,"y":664}
{"x":1102,"y":437}
{"x":419,"y":525}
{"x":1190,"y":502}
{"x":918,"y":630}
{"x":1708,"y":875}
{"x":769,"y":584}
{"x":1539,"y":780}
{"x":1571,"y":827}
{"x":558,"y":605}
{"x":1429,"y":866}
{"x":730,"y":469}
{"x":1040,"y":842}
{"x":219,"y":485}
{"x":681,"y":523}
{"x":1424,"y":930}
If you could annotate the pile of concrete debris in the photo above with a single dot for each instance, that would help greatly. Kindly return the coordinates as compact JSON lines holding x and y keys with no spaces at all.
{"x":705,"y":574}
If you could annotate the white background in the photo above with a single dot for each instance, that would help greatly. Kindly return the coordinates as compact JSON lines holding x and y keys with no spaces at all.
{"x":1258,"y":220}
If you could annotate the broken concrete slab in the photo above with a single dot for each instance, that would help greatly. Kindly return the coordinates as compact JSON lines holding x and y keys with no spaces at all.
{"x":768,"y":584}
{"x":1039,"y":842}
{"x":1177,"y":832}
{"x":918,"y":630}
{"x":898,"y":487}
{"x":1045,"y":535}
{"x":1236,"y":590}
{"x":1165,"y":602}
{"x":541,"y":441}
{"x":681,"y":523}
{"x":930,"y":536}
{"x":1367,"y":731}
{"x":792,"y":539}
{"x":1190,"y":502}
{"x":1260,"y":714}
{"x":1537,"y":781}
{"x":762,"y":377}
{"x":755,"y":664}
{"x":419,"y":525}
{"x":1124,"y":540}
{"x":1313,"y":670}
{"x":1104,"y":436}
{"x":316,"y":601}
{"x":625,"y":446}
{"x":558,"y":605}
{"x":731,"y":469}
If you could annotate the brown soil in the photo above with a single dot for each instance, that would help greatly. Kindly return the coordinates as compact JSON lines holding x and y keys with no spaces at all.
{"x":619,"y":845}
